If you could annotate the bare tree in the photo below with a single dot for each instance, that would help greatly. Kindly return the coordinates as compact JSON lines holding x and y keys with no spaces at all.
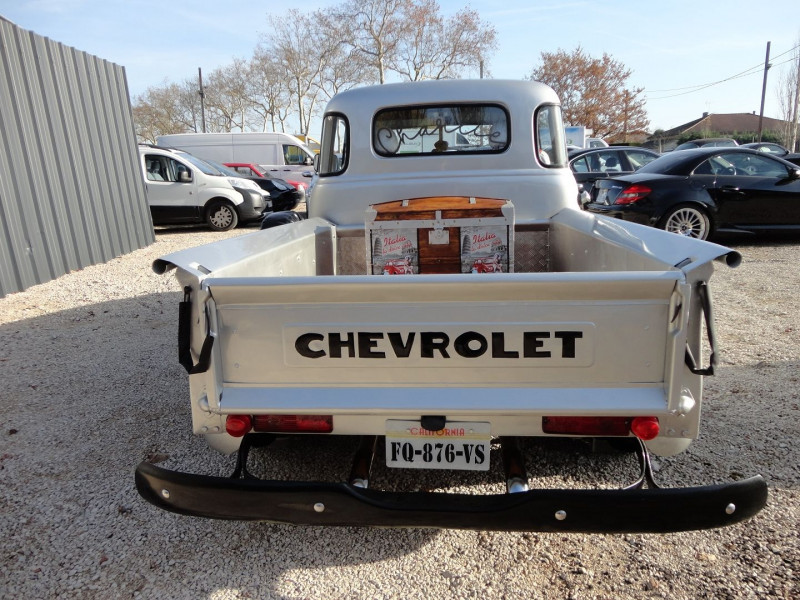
{"x":172,"y":108}
{"x":309,"y":58}
{"x":788,"y":92}
{"x":594,"y":92}
{"x":437,"y":49}
{"x":345,"y":67}
{"x":375,"y":29}
{"x":268,"y":90}
{"x":226,"y":98}
{"x":294,"y":48}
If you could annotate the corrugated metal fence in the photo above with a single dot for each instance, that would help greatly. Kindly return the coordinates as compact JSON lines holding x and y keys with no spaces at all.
{"x":71,"y":192}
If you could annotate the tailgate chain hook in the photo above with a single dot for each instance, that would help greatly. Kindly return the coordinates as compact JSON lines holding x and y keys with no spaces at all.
{"x":646,"y":473}
{"x":251,"y":440}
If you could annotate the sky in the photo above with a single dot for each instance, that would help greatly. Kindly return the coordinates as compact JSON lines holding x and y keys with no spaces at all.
{"x":690,"y":57}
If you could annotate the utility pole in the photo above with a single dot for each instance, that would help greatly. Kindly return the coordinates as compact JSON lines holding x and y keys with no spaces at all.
{"x":763,"y":92}
{"x":202,"y":99}
{"x":796,"y":108}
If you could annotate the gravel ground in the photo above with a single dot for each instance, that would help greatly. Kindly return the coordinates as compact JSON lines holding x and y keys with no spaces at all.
{"x":91,"y":386}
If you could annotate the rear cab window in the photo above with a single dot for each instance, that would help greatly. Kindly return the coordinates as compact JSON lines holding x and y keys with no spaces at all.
{"x":450,"y":129}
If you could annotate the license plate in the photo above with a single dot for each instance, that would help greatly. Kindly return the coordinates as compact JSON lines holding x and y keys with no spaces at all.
{"x":602,"y":196}
{"x":460,"y":445}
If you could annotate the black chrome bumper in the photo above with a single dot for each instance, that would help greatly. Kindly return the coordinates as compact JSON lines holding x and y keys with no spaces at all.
{"x":641,"y":510}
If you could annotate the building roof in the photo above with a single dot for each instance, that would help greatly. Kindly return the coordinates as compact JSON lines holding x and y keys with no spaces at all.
{"x":727,"y":123}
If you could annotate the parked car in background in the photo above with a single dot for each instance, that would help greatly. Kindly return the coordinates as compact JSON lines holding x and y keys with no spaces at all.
{"x":282,"y":195}
{"x":596,"y":143}
{"x":181,"y":188}
{"x":698,"y":192}
{"x":707,"y":143}
{"x":589,"y":165}
{"x":768,"y":147}
{"x":252,"y":170}
{"x":282,"y":154}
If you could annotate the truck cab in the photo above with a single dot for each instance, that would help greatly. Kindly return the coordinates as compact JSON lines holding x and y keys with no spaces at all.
{"x":427,"y":139}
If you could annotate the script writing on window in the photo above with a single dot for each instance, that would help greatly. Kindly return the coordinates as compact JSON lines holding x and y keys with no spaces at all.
{"x":441,"y":129}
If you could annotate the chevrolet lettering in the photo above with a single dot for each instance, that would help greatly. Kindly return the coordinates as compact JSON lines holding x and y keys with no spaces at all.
{"x":446,"y":306}
{"x":541,"y":344}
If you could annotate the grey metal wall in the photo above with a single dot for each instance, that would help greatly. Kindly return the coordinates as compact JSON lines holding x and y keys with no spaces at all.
{"x":71,"y":191}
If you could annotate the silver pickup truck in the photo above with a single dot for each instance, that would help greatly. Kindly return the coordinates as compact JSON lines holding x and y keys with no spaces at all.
{"x":445,"y":302}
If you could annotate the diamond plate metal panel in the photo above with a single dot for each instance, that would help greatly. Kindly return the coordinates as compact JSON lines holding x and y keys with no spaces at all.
{"x":532,"y":251}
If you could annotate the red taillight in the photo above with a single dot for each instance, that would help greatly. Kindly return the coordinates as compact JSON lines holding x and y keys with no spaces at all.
{"x":238,"y":425}
{"x":603,"y":426}
{"x":293,"y":423}
{"x":645,"y":428}
{"x":632,"y":193}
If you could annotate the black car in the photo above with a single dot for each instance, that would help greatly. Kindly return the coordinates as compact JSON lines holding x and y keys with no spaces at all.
{"x":590,"y":164}
{"x":698,"y":192}
{"x":283,"y":195}
{"x":708,"y":143}
{"x":768,"y":147}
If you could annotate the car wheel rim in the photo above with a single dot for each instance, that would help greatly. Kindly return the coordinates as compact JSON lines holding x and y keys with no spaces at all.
{"x":222,"y":217}
{"x":688,"y":222}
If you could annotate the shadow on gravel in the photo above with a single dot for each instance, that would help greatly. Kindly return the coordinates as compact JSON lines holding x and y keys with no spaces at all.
{"x":86,"y":395}
{"x":738,"y":240}
{"x":90,"y":392}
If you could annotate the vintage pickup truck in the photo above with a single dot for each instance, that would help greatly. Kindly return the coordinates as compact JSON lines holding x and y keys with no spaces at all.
{"x":513,"y":316}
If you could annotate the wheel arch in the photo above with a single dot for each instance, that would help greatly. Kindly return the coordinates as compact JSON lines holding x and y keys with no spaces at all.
{"x":676,"y":198}
{"x":220,"y":198}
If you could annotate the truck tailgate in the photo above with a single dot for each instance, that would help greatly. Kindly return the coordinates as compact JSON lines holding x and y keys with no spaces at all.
{"x":574,"y":341}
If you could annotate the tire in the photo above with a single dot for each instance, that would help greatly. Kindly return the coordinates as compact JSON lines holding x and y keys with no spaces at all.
{"x":690,"y":221}
{"x":221,"y":215}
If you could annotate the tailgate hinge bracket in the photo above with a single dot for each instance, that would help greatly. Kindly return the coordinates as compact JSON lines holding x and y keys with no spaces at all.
{"x":185,"y":338}
{"x":704,"y":294}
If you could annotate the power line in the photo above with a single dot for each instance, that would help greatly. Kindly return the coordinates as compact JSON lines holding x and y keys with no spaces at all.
{"x":747,"y":72}
{"x":701,"y":86}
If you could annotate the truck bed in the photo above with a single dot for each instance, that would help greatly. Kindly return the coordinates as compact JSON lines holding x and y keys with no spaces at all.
{"x":591,"y":322}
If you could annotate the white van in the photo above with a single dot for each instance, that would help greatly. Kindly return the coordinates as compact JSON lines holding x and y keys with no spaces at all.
{"x":279,"y":153}
{"x":181,"y":188}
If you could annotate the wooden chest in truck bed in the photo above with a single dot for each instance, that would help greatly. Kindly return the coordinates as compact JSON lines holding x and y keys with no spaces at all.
{"x":443,"y":234}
